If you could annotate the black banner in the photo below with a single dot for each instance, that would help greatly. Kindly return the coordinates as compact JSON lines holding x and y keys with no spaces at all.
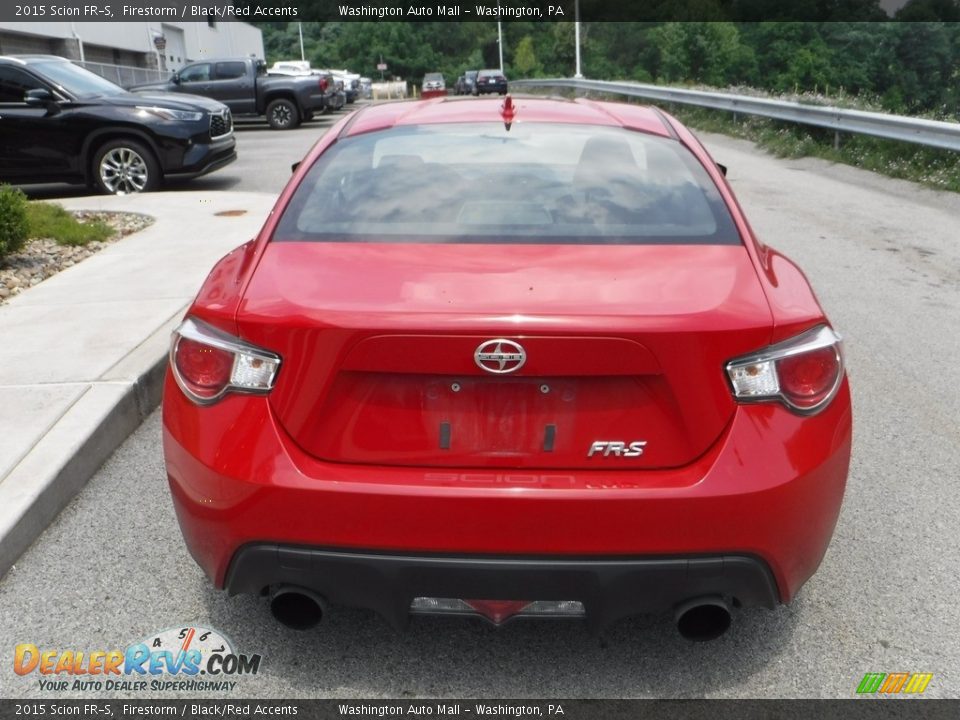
{"x":860,"y":709}
{"x":439,"y":10}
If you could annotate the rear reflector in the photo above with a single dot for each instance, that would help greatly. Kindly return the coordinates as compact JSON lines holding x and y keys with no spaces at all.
{"x":497,"y":611}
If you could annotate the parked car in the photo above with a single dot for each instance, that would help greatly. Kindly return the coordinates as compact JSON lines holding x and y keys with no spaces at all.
{"x":291,"y":67}
{"x":366,"y":88}
{"x":350,"y":82}
{"x":508,"y":359}
{"x":490,"y":81}
{"x":244,"y":85}
{"x":62,"y":123}
{"x":433,"y":86}
{"x":466,"y":82}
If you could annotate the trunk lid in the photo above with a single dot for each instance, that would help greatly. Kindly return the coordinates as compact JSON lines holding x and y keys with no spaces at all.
{"x":624,"y":344}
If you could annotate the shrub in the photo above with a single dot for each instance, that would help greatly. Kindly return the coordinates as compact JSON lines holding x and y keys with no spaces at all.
{"x":13,"y":220}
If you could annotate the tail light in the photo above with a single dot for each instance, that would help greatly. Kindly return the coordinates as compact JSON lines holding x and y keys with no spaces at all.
{"x":208,"y":363}
{"x":804,"y":373}
{"x":323,"y":84}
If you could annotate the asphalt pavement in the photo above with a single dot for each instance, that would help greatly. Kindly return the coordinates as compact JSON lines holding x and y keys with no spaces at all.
{"x":264,"y":157}
{"x":884,"y":259}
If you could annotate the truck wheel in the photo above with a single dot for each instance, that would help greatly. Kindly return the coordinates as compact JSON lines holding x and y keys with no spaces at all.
{"x":121,"y":167}
{"x":282,"y":114}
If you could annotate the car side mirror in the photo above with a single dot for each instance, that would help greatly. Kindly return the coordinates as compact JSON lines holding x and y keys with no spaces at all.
{"x":40,"y":97}
{"x":175,"y":78}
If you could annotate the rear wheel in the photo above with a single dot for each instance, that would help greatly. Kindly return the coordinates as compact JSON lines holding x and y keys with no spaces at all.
{"x":282,"y":114}
{"x":122,"y":167}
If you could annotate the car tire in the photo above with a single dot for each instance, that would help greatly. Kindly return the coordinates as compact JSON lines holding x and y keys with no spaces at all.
{"x":282,"y":114}
{"x":123,"y":167}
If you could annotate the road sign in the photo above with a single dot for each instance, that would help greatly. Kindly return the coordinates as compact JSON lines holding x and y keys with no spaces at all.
{"x":381,"y":66}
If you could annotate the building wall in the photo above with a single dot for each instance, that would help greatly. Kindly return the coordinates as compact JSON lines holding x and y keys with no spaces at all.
{"x":132,"y":43}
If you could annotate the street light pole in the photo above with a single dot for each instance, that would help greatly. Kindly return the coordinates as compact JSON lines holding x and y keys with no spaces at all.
{"x":500,"y":43}
{"x":576,"y":30}
{"x":303,"y":55}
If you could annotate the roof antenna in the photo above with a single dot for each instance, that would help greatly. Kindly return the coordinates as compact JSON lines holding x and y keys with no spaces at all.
{"x":507,"y":112}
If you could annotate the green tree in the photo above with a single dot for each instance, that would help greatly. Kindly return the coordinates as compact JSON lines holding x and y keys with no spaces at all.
{"x":525,"y":58}
{"x":700,"y":51}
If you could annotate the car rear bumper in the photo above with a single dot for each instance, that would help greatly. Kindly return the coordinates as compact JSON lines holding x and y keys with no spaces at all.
{"x":608,"y":588}
{"x":769,"y":489}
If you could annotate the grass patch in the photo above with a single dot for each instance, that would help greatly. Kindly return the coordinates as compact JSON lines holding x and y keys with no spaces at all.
{"x":935,"y":168}
{"x":45,"y":220}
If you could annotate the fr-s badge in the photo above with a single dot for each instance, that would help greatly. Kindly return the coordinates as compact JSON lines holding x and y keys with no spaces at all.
{"x":617,"y":448}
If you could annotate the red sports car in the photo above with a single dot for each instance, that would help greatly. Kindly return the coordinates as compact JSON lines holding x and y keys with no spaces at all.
{"x":508,"y":357}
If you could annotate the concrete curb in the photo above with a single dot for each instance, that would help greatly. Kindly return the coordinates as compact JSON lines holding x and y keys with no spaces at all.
{"x":85,"y":352}
{"x":58,"y":467}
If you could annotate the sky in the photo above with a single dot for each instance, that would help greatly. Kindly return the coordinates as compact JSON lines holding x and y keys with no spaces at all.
{"x":892,"y":5}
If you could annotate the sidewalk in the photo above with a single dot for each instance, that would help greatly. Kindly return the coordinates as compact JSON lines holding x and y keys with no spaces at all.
{"x":82,"y":355}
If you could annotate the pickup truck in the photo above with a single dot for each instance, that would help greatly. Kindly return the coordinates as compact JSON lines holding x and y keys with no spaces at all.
{"x":245,"y":87}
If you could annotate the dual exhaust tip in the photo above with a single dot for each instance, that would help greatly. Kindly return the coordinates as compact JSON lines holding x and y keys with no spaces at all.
{"x":700,"y":619}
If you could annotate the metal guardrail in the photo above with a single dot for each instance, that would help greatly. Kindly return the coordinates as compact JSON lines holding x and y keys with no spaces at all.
{"x":932,"y":133}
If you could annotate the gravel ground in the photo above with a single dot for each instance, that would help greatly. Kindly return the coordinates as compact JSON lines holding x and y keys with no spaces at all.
{"x":42,"y":258}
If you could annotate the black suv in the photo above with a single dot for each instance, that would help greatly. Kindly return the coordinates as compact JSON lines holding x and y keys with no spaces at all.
{"x":61,"y":123}
{"x":466,"y":82}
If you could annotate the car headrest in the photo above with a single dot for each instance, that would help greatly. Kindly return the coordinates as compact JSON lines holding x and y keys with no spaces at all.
{"x":604,"y":157}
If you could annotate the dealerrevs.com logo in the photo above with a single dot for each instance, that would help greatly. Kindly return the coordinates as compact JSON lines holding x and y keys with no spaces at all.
{"x":186,"y":659}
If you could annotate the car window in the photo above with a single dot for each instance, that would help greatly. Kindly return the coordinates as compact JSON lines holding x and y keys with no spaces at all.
{"x":536,"y":183}
{"x":76,"y":80}
{"x":195,"y":73}
{"x":14,"y":83}
{"x":231,"y":70}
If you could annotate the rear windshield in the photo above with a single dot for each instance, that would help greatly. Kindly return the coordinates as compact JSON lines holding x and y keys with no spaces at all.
{"x":536,"y":183}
